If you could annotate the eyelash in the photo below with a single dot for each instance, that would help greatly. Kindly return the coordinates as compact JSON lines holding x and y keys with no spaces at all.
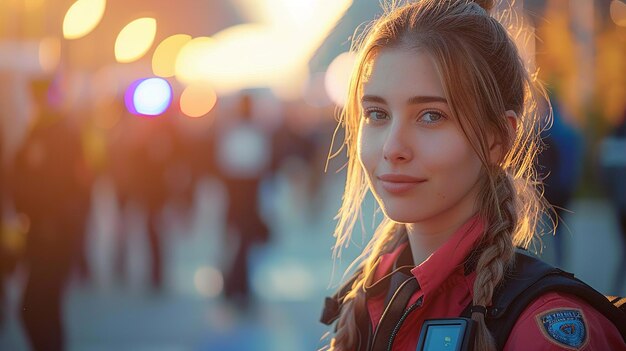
{"x":367,"y":111}
{"x":441,"y":115}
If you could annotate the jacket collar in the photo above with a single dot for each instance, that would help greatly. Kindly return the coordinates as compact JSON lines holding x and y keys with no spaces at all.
{"x":449,"y":258}
{"x":454,"y":254}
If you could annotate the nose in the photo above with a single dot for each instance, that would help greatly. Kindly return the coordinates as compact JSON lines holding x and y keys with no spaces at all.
{"x":397,"y":147}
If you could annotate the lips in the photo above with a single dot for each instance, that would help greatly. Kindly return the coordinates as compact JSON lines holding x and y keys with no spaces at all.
{"x":399,"y":183}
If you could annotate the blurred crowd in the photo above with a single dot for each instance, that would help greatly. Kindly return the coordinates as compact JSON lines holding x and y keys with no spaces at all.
{"x":154,"y":163}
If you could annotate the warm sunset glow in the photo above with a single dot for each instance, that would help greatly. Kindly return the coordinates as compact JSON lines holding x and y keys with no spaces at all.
{"x":135,"y":39}
{"x":82,"y":17}
{"x":272,"y":50}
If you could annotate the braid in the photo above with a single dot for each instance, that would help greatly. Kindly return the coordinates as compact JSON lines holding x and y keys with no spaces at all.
{"x":345,"y":337}
{"x":497,"y":255}
{"x":386,"y":239}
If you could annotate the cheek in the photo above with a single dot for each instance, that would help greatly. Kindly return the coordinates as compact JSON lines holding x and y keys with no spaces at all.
{"x":453,"y":159}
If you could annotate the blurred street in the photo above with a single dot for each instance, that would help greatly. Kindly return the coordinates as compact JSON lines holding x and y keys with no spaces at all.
{"x":105,"y":315}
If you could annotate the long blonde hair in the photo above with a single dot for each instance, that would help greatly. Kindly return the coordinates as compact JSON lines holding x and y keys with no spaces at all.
{"x":483,"y":76}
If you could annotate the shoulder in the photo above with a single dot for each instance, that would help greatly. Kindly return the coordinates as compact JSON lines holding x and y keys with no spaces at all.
{"x":556,"y":321}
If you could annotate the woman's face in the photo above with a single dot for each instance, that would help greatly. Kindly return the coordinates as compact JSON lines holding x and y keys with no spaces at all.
{"x":419,"y":164}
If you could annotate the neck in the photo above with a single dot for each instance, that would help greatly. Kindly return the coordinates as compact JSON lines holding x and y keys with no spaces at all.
{"x":428,"y":234}
{"x":425,"y":240}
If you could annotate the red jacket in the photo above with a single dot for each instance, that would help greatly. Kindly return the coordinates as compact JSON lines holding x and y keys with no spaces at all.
{"x":447,"y":291}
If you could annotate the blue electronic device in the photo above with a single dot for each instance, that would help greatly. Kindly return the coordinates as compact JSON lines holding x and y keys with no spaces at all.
{"x":454,"y":334}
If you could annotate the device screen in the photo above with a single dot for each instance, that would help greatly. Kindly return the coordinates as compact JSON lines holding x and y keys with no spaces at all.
{"x":443,"y":338}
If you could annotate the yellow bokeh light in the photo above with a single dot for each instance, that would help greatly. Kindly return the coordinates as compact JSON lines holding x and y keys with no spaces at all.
{"x":164,"y":58}
{"x":190,"y":66}
{"x":338,"y":77}
{"x":618,"y":13}
{"x":49,"y":54}
{"x":82,"y":17}
{"x":135,"y":39}
{"x":197,"y":100}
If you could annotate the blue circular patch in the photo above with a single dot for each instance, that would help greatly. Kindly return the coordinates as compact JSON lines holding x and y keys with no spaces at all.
{"x":566,"y":327}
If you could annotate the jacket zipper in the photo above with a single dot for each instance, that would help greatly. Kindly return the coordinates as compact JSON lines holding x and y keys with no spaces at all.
{"x":406,"y":313}
{"x":385,"y":315}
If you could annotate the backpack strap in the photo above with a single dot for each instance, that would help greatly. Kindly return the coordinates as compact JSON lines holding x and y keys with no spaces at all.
{"x":618,"y":301}
{"x":332,"y":304}
{"x":529,"y":279}
{"x":400,"y":272}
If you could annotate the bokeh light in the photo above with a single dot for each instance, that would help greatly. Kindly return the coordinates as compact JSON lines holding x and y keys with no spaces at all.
{"x":208,"y":281}
{"x":618,"y":12}
{"x":289,"y":281}
{"x":135,"y":39}
{"x":149,"y":97}
{"x":164,"y":57}
{"x":190,"y":66}
{"x":338,"y":77}
{"x":197,"y":100}
{"x":82,"y":17}
{"x":49,"y":54}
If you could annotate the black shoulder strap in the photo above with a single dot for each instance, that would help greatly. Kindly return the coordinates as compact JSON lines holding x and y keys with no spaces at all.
{"x":618,"y":301}
{"x":529,"y":279}
{"x":332,"y":305}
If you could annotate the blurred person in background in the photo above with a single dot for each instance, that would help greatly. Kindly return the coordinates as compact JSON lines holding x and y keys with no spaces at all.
{"x":559,"y":165}
{"x":15,"y":113}
{"x":142,"y":151}
{"x":51,"y":186}
{"x":5,"y":261}
{"x":613,"y":171}
{"x":243,"y":159}
{"x":294,"y":152}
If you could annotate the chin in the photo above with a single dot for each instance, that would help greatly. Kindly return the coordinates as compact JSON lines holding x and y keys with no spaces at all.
{"x":403,"y":215}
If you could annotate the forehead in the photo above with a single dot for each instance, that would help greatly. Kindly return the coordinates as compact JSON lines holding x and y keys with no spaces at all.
{"x":401,"y":73}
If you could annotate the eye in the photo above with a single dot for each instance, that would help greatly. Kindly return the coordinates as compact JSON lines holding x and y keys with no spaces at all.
{"x":430,"y":117}
{"x":374,"y":114}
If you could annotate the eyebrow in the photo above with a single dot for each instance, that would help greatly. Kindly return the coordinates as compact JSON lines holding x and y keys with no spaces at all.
{"x":415,"y":100}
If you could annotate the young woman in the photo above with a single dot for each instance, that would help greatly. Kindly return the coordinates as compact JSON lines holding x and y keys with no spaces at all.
{"x":441,"y":126}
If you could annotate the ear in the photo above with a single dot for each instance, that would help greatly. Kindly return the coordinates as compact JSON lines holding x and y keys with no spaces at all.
{"x":511,"y":117}
{"x":496,"y":152}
